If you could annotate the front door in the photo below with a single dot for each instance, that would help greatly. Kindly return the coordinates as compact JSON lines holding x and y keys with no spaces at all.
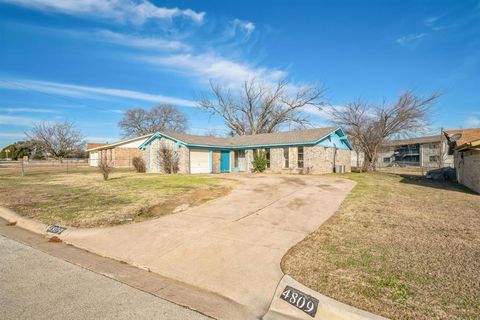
{"x":225,"y":161}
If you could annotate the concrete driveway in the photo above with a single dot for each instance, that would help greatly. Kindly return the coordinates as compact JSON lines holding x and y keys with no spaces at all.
{"x":231,"y":246}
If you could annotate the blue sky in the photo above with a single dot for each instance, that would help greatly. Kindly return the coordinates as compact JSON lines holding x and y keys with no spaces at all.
{"x":86,"y":61}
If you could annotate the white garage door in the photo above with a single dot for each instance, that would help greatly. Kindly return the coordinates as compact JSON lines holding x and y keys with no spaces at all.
{"x":199,"y":161}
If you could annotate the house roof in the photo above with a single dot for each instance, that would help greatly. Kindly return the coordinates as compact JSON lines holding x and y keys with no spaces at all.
{"x":118,"y":143}
{"x":308,"y":136}
{"x":418,"y":140}
{"x":469,"y":137}
{"x":94,"y":145}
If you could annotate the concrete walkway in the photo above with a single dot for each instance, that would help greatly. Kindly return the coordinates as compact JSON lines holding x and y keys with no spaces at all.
{"x":231,"y":246}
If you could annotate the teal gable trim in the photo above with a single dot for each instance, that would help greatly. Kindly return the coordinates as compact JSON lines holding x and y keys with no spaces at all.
{"x":210,"y":161}
{"x":337,"y":139}
{"x":157,"y":157}
{"x":150,"y":159}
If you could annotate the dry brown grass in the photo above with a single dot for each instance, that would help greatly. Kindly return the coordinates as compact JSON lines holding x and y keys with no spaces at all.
{"x":402,"y":247}
{"x":83,"y":199}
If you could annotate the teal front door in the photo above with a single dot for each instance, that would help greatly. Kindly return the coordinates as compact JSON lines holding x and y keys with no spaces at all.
{"x":225,"y":161}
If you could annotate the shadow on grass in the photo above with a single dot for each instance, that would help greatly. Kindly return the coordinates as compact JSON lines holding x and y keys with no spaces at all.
{"x":429,"y":183}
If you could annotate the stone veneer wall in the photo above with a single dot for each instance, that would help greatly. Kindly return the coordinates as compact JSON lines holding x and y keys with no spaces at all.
{"x":152,"y":157}
{"x":316,"y":160}
{"x":216,"y":161}
{"x":468,"y":169}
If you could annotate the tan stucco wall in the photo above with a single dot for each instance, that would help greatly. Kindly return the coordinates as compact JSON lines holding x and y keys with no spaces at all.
{"x":468,"y":169}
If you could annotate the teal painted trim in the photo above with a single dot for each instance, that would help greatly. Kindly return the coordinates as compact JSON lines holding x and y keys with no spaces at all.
{"x":150,"y":159}
{"x":210,"y":161}
{"x":157,"y":157}
{"x":339,"y":131}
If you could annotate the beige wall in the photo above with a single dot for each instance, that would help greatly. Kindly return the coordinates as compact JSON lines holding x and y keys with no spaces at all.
{"x":468,"y":169}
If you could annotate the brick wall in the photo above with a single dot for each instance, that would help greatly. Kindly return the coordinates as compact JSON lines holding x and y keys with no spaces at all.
{"x":468,"y":169}
{"x":316,"y":160}
{"x":216,"y":161}
{"x":152,"y":157}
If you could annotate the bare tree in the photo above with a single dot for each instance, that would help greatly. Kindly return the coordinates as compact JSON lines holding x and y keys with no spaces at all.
{"x":370,"y":125}
{"x":60,"y":140}
{"x":105,"y":167}
{"x":168,"y":158}
{"x":164,"y":117}
{"x":260,"y":108}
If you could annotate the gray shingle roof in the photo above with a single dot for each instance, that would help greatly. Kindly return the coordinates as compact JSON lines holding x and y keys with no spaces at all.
{"x":284,"y":138}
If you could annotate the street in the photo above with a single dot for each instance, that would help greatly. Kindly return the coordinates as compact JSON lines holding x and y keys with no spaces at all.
{"x":35,"y":285}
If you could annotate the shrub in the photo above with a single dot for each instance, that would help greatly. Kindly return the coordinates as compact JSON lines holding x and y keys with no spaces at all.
{"x":169,"y":159}
{"x":139,"y":164}
{"x":259,"y":161}
{"x":105,"y":168}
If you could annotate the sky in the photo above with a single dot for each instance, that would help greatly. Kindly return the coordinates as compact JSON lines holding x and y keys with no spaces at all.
{"x":87,"y":61}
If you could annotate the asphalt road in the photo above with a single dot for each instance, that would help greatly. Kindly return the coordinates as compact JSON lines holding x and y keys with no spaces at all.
{"x":35,"y":285}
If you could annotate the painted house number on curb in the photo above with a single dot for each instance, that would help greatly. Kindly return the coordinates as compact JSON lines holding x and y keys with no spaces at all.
{"x":55,"y":229}
{"x":300,"y":300}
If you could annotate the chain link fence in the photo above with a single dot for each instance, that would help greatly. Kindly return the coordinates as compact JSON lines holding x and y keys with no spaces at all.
{"x":25,"y":167}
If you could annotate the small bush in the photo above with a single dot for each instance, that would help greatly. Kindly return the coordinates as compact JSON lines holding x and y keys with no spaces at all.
{"x":259,"y":161}
{"x":139,"y":164}
{"x":105,"y":168}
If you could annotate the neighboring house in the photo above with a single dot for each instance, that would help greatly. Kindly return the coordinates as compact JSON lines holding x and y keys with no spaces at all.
{"x":319,"y":150}
{"x":118,"y":154}
{"x":465,"y":146}
{"x":428,"y":151}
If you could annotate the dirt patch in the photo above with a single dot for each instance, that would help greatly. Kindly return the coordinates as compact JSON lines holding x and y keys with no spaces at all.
{"x":192,"y":198}
{"x":55,"y":239}
{"x":296,"y":203}
{"x":294,"y":180}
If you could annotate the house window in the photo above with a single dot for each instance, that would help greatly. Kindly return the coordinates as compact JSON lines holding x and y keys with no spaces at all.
{"x":433,"y":158}
{"x":300,"y":157}
{"x":386,"y":160}
{"x":285,"y":157}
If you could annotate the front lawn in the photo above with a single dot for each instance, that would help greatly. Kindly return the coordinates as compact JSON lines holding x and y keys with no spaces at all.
{"x":83,"y":199}
{"x":401,"y":247}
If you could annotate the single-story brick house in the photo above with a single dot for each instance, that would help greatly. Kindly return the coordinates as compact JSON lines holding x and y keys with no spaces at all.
{"x":465,"y":145}
{"x":118,"y":154}
{"x":320,"y":150}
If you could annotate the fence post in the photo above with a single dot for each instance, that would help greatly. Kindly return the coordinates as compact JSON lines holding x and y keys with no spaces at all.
{"x":67,"y":166}
{"x":23,"y":172}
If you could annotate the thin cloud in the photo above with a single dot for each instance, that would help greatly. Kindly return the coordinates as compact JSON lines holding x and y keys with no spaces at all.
{"x":410,"y":39}
{"x":72,"y":90}
{"x":17,"y":121}
{"x":13,"y":135}
{"x":210,"y":66}
{"x":246,"y":26}
{"x":133,"y":11}
{"x":472,"y":122}
{"x":139,"y":41}
{"x":28,"y":110}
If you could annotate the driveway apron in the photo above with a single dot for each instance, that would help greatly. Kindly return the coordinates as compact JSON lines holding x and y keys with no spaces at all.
{"x":232,"y":245}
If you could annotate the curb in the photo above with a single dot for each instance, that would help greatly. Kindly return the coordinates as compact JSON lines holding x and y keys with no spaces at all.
{"x":328,"y":308}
